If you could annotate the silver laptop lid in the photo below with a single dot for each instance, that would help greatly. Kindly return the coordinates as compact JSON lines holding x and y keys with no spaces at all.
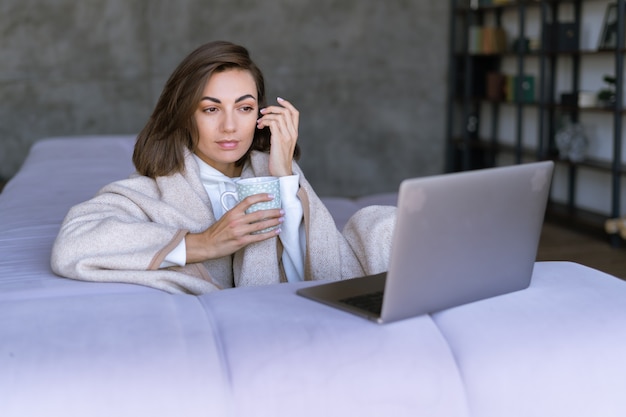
{"x":465,"y":236}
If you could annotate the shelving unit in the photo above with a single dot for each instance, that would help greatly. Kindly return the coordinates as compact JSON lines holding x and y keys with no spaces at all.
{"x":484,"y":132}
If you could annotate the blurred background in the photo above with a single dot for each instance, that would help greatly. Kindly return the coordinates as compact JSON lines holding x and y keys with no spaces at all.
{"x":368,"y":76}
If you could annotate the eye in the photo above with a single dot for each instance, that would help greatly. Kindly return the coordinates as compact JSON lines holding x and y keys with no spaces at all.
{"x":247,"y":109}
{"x":209,"y":109}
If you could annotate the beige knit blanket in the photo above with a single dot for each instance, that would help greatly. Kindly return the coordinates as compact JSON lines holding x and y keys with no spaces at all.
{"x":125,"y":231}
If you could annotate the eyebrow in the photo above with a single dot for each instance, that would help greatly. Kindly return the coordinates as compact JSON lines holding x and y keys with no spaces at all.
{"x":216,"y":100}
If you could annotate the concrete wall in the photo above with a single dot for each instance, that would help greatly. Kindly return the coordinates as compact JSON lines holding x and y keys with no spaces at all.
{"x":368,"y":76}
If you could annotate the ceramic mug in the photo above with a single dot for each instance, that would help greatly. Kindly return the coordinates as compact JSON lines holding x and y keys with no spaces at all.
{"x":250,"y":186}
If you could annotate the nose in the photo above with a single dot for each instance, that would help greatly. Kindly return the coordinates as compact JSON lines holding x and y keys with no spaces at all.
{"x":229,"y":123}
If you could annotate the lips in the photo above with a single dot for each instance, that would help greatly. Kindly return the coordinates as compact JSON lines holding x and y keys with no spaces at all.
{"x":228,"y":144}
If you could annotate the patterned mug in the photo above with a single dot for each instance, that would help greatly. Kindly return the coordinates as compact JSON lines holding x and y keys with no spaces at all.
{"x":255,"y":185}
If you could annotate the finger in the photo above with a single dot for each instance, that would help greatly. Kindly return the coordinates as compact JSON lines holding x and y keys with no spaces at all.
{"x":286,"y":104}
{"x":293,"y":112}
{"x":278,"y":127}
{"x":269,"y":110}
{"x":284,"y":107}
{"x":270,"y":116}
{"x":259,"y":215}
{"x":290,"y":112}
{"x":261,"y":226}
{"x":280,"y":123}
{"x":242,"y":231}
{"x":269,"y":120}
{"x":257,"y":223}
{"x":254,"y":199}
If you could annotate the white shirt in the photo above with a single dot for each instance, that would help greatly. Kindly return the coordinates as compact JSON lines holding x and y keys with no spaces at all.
{"x":292,"y":233}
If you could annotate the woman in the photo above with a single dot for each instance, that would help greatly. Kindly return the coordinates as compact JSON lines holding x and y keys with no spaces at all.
{"x":165,"y":227}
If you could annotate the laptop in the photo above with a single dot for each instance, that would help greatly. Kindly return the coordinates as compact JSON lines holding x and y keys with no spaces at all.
{"x":458,"y":238}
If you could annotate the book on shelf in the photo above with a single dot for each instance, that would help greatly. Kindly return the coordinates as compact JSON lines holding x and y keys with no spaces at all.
{"x":561,"y":37}
{"x":486,"y":40}
{"x":526,"y":85}
{"x":496,"y":86}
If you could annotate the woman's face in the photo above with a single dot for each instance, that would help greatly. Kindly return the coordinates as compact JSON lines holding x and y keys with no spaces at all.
{"x":226,"y":118}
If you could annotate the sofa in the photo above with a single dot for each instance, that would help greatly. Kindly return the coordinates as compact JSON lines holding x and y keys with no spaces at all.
{"x":72,"y":348}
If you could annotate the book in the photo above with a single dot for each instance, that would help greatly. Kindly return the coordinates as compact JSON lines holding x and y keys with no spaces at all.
{"x":527,"y":88}
{"x":486,"y":40}
{"x":493,"y":40}
{"x":496,"y":86}
{"x":526,"y":84}
{"x":475,"y":40}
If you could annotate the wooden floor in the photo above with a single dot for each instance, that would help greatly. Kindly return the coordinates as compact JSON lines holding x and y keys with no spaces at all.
{"x":562,"y":244}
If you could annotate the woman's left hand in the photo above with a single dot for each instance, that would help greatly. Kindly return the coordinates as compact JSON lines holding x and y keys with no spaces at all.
{"x":283,"y":123}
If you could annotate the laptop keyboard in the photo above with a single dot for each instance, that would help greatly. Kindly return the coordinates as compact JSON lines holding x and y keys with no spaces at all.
{"x":372,"y":302}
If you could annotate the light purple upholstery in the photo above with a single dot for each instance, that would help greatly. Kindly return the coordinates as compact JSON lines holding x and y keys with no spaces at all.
{"x":71,"y":348}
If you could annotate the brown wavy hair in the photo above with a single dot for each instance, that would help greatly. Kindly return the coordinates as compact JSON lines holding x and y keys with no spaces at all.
{"x":160,"y":146}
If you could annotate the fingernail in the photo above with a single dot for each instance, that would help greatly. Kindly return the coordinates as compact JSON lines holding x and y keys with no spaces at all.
{"x":280,"y":99}
{"x":263,"y":110}
{"x":270,"y":196}
{"x":281,"y":219}
{"x":278,"y":231}
{"x":282,"y":212}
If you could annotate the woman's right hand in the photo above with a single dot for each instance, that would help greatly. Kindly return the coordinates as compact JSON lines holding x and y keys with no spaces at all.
{"x":234,"y":231}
